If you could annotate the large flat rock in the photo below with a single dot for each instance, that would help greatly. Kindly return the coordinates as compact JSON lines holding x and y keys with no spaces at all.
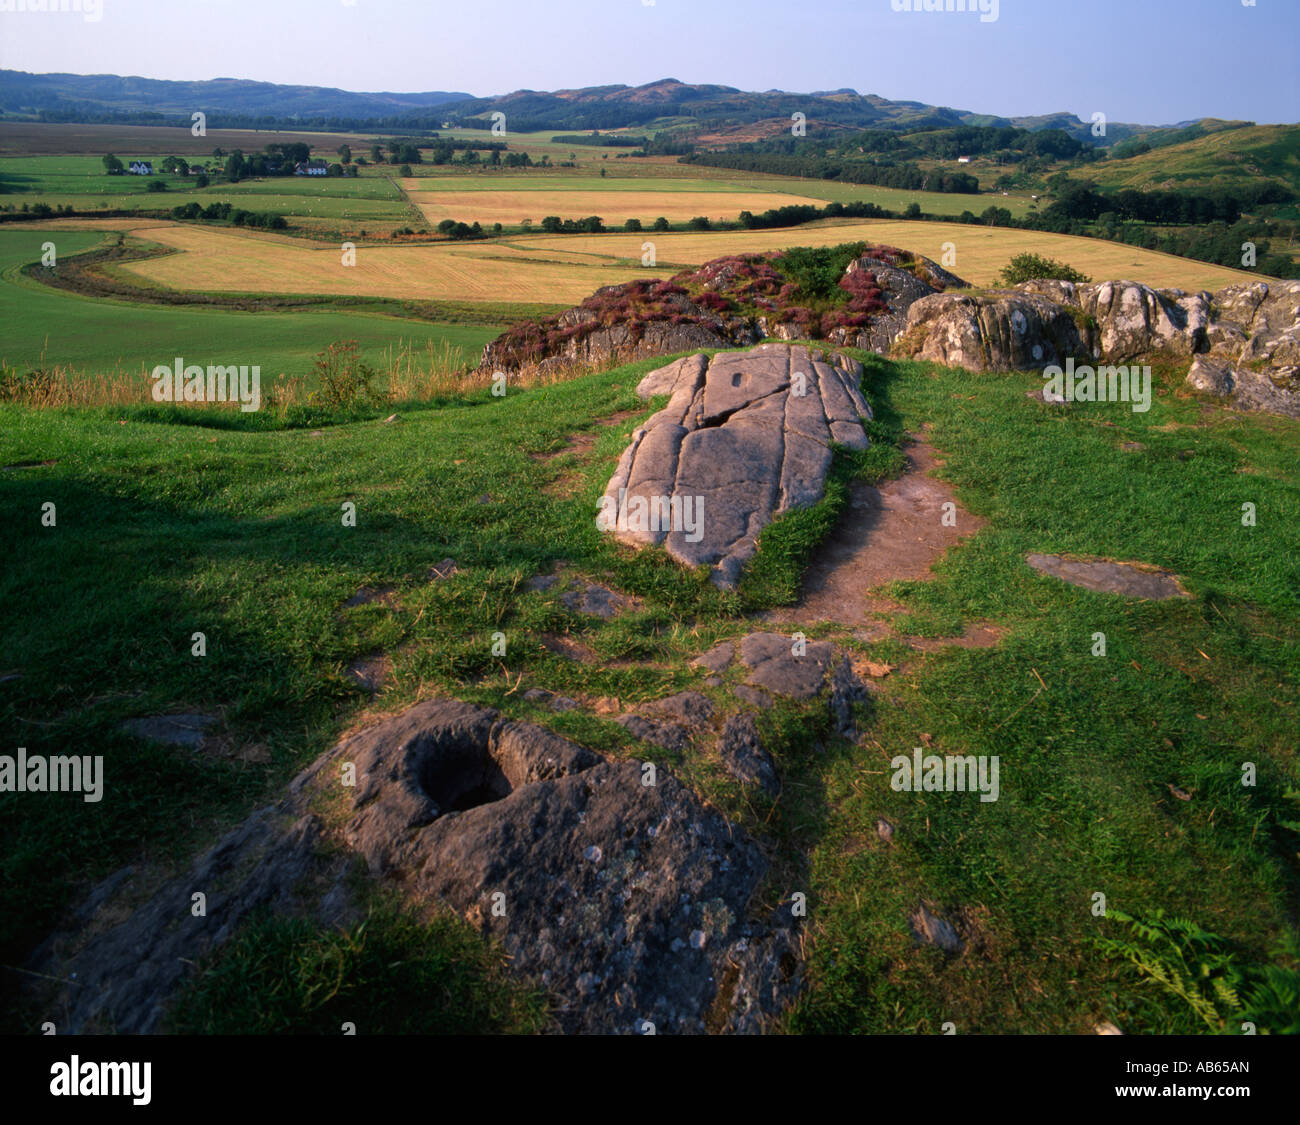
{"x":745,"y":438}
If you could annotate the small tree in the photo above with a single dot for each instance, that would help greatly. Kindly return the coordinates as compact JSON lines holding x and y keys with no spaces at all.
{"x":661,"y":223}
{"x":345,"y":153}
{"x":404,"y":170}
{"x":632,"y":225}
{"x":112,"y":165}
{"x":201,"y":180}
{"x":699,"y":223}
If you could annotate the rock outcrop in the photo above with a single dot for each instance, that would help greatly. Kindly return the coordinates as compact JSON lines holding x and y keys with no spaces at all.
{"x":745,"y":437}
{"x":614,"y":886}
{"x":726,"y":303}
{"x":1243,"y":341}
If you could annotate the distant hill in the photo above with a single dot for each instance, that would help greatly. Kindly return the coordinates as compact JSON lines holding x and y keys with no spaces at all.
{"x":721,"y":110}
{"x":667,"y":104}
{"x":96,"y":97}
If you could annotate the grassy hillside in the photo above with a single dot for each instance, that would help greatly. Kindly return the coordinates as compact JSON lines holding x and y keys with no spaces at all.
{"x":165,"y":528}
{"x":1222,"y":159}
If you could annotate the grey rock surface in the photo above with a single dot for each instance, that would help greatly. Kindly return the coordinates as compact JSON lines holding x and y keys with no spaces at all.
{"x":745,"y":438}
{"x":176,"y":730}
{"x":775,"y":664}
{"x":632,"y":902}
{"x":1109,"y":577}
{"x":1243,"y":341}
{"x":742,"y":752}
{"x":593,"y":881}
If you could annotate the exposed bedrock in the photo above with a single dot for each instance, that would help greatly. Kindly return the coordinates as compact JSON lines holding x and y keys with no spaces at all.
{"x":1242,"y":343}
{"x":745,"y":437}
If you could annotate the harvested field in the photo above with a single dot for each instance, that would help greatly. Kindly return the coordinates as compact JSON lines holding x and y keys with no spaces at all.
{"x":615,"y":207}
{"x":566,"y":268}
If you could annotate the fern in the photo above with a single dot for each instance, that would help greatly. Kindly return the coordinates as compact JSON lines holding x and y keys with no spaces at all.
{"x":1205,"y":972}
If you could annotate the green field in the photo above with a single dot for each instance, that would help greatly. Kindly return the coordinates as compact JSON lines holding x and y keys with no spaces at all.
{"x":47,"y":327}
{"x":80,"y":182}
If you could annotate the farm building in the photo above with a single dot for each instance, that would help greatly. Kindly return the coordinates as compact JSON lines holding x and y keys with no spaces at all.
{"x":140,"y":168}
{"x":311,"y":168}
{"x":963,"y":160}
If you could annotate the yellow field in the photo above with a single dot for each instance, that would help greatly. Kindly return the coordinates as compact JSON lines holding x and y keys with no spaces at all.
{"x":615,"y":207}
{"x":980,"y":251}
{"x":565,"y":268}
{"x":228,"y":260}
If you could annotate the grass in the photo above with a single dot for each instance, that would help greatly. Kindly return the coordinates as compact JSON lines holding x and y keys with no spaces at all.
{"x":1219,"y":160}
{"x":171,"y":523}
{"x":81,"y":183}
{"x":47,"y":327}
{"x":392,"y":973}
{"x":981,"y":251}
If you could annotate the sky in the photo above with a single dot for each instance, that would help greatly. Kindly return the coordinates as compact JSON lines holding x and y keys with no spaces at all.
{"x":1146,"y":61}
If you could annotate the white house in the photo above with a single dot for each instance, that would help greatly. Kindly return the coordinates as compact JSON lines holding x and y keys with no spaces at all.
{"x":963,"y":160}
{"x":140,"y":168}
{"x":312,"y":168}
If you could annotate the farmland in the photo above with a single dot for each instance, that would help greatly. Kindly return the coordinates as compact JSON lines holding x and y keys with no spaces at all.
{"x":30,"y":138}
{"x":565,"y":268}
{"x":79,"y":182}
{"x":45,"y":326}
{"x":511,"y":207}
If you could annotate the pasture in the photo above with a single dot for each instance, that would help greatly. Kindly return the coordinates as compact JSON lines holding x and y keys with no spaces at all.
{"x":81,"y":183}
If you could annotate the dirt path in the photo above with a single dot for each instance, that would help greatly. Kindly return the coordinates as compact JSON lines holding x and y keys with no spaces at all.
{"x":894,"y":532}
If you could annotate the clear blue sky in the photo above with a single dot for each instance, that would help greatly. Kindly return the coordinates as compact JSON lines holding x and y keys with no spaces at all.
{"x":1149,"y":61}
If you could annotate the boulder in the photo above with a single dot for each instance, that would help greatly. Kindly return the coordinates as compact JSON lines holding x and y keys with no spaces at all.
{"x":778,"y":666}
{"x":630,"y":901}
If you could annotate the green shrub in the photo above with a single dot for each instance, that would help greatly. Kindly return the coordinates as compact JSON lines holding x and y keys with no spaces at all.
{"x":342,"y":379}
{"x":1033,"y":267}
